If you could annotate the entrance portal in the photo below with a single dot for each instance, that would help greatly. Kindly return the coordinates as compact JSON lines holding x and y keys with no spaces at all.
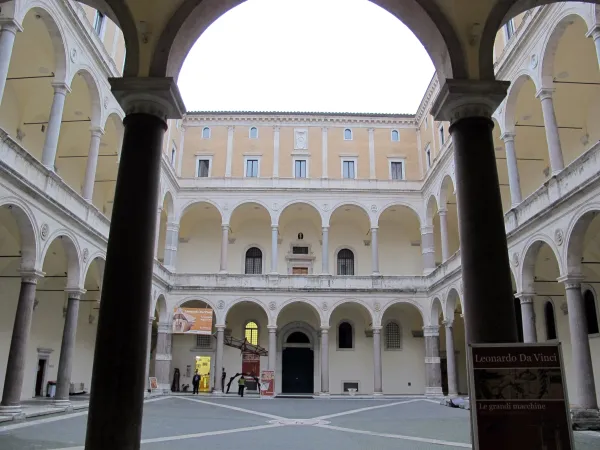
{"x":297,"y":365}
{"x":39,"y":379}
{"x":203,"y":368}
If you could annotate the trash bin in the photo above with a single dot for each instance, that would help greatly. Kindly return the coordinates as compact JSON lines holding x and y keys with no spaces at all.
{"x":51,"y":389}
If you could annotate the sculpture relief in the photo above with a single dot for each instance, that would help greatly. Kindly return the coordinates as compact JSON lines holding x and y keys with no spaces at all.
{"x":300,"y":139}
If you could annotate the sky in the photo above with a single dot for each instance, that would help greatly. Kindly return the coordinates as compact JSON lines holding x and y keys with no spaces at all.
{"x":306,"y":55}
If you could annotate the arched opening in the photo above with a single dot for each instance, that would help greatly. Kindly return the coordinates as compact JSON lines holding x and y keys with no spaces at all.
{"x":254,"y":261}
{"x":107,"y":166}
{"x":167,"y":214}
{"x":403,"y":367}
{"x":297,"y":348}
{"x":454,"y":314}
{"x":399,"y":236}
{"x":249,"y":227}
{"x":449,"y":205}
{"x":433,"y":220}
{"x":246,"y":321}
{"x":300,"y":234}
{"x":193,"y":346}
{"x":502,"y":167}
{"x":199,"y":239}
{"x":574,"y":76}
{"x":37,"y":59}
{"x":350,"y":235}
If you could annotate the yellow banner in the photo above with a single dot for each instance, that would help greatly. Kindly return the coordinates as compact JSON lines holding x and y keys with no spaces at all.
{"x":192,"y":321}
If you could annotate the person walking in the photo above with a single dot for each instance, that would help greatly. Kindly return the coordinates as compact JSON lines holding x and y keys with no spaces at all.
{"x":241,"y":385}
{"x":195,"y":382}
{"x":223,"y":376}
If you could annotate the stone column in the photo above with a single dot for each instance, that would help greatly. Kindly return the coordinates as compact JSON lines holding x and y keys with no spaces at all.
{"x":372,"y":154}
{"x":527,"y":317}
{"x":377,"y":370}
{"x":451,"y":359}
{"x":514,"y":181}
{"x":219,"y":359}
{"x":117,"y":389}
{"x":157,"y":233}
{"x":171,"y":243}
{"x":428,"y":249}
{"x":488,"y":296}
{"x":324,"y":156}
{"x":325,"y":252}
{"x":275,"y":152}
{"x":274,"y":245}
{"x":374,"y":251}
{"x":433,"y":371}
{"x":224,"y":244}
{"x":444,"y":233}
{"x":7,"y":40}
{"x":272,"y":347}
{"x":324,"y":360}
{"x":584,"y":396}
{"x":92,"y":163}
{"x":54,"y":122}
{"x":67,"y":347}
{"x":229,"y":154}
{"x":149,"y":353}
{"x":162,"y":358}
{"x":552,"y":137}
{"x":15,"y":365}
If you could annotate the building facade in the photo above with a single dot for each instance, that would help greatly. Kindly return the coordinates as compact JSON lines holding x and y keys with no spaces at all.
{"x":329,"y":240}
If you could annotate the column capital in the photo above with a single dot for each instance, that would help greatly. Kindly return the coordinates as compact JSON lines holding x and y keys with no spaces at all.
{"x":571,"y":281}
{"x":374,"y":228}
{"x":325,"y":329}
{"x":75,"y":293}
{"x":442,"y":211}
{"x":324,"y":130}
{"x":461,"y":99}
{"x":371,"y":130}
{"x":427,"y":229}
{"x":594,"y":32}
{"x":525,"y":297}
{"x":276,"y":128}
{"x":272,"y":328}
{"x":448,"y":323}
{"x":156,"y":96}
{"x":431,"y":331}
{"x":544,"y":93}
{"x":507,"y":137}
{"x":220,"y":327}
{"x":97,"y":131}
{"x":31,"y":276}
{"x":225,"y":226}
{"x":61,"y":88}
{"x":10,"y":24}
{"x":230,"y":128}
{"x":274,"y":226}
{"x":377,"y":329}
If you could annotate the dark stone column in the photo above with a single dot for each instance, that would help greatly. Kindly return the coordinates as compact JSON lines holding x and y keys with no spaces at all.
{"x":65,"y":363}
{"x":15,"y":366}
{"x":488,"y":297}
{"x":117,"y":390}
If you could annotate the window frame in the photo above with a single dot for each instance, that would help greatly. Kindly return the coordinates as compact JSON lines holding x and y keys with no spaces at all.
{"x":99,"y":18}
{"x":351,"y":138}
{"x":251,"y":158}
{"x":349,"y":159}
{"x":173,"y":156}
{"x":441,"y":135}
{"x":397,"y":160}
{"x":385,"y":340}
{"x":352,"y":336}
{"x":209,"y":133}
{"x":428,"y":160}
{"x":245,"y":326}
{"x":392,"y":135}
{"x":245,"y":257}
{"x":201,"y":158}
{"x":337,"y":262}
{"x":509,"y":30}
{"x":300,"y":158}
{"x":250,"y":133}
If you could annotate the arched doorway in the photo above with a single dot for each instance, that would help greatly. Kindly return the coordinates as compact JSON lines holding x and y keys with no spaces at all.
{"x":297,"y":365}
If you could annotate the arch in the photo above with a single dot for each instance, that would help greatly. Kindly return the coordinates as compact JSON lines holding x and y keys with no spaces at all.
{"x":365,"y":306}
{"x":239,"y":300}
{"x":47,"y":15}
{"x":398,"y":301}
{"x":95,"y":97}
{"x":190,"y":204}
{"x":170,"y":205}
{"x":424,"y":18}
{"x":340,"y":205}
{"x":27,"y":230}
{"x":100,"y":258}
{"x":309,"y":203}
{"x":191,"y":298}
{"x":398,"y":204}
{"x":431,"y":210}
{"x":293,"y":327}
{"x":452,"y":301}
{"x":72,"y":252}
{"x":436,"y":310}
{"x":302,"y":300}
{"x":576,"y":232}
{"x":161,"y":306}
{"x":249,"y":202}
{"x":529,"y":259}
{"x":114,"y":112}
{"x":512,"y":97}
{"x":447,"y":181}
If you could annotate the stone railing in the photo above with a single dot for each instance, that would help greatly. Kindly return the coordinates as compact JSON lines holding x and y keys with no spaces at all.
{"x":16,"y":161}
{"x":448,"y":268}
{"x":299,"y":282}
{"x":298,"y":183}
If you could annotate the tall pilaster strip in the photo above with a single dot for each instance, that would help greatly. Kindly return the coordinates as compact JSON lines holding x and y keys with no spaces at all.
{"x":229,"y":154}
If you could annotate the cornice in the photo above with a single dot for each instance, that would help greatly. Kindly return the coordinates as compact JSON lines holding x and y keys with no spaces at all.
{"x":428,"y":98}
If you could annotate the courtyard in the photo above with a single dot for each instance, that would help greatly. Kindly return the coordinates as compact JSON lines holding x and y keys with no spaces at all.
{"x":173,"y":422}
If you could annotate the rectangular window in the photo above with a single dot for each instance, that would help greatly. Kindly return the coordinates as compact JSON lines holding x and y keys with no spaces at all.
{"x":203,"y":341}
{"x":203,"y":168}
{"x":442,"y":137}
{"x":348,"y":169}
{"x":300,"y":168}
{"x":397,"y":170}
{"x":99,"y":23}
{"x":509,"y":29}
{"x":252,"y":168}
{"x":428,"y":156}
{"x":300,"y":250}
{"x":173,"y":153}
{"x":347,"y":385}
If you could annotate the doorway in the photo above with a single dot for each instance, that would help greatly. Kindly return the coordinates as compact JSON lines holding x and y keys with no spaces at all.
{"x":39,"y":378}
{"x":203,"y":368}
{"x":297,"y":365}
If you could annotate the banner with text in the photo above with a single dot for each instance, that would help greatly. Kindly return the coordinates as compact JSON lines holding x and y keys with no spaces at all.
{"x":518,"y":397}
{"x":192,"y":321}
{"x":267,"y":383}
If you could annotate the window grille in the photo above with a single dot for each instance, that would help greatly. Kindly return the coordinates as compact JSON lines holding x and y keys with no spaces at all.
{"x":345,"y":262}
{"x":300,"y":250}
{"x":393,"y":337}
{"x":203,"y":341}
{"x":251,"y":333}
{"x":253,"y":261}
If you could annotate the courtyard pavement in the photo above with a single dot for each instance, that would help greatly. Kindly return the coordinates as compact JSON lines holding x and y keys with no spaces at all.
{"x":294,"y":424}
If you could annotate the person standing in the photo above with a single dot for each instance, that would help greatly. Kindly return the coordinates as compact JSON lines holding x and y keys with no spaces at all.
{"x":195,"y":382}
{"x":223,"y":376}
{"x":241,"y":385}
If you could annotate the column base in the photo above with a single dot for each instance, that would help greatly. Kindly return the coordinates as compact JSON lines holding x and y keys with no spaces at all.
{"x":377,"y":394}
{"x":585,"y":419}
{"x":63,"y":404}
{"x":434,"y":392}
{"x":15,"y":412}
{"x":324,"y":394}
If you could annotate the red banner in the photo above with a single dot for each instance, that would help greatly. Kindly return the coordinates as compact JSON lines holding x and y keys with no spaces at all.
{"x":267,"y":383}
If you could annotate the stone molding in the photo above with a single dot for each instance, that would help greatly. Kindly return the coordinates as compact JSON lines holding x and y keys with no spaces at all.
{"x":431,"y":331}
{"x":31,"y":276}
{"x":433,"y":360}
{"x":75,"y":293}
{"x":572,"y":281}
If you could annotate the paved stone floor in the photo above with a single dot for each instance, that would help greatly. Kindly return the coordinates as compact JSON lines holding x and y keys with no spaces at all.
{"x":293,"y":424}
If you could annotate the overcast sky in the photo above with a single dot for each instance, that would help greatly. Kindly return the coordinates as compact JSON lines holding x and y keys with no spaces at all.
{"x":306,"y":55}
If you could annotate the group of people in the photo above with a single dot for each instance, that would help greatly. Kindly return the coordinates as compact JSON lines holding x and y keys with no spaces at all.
{"x":196,"y":383}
